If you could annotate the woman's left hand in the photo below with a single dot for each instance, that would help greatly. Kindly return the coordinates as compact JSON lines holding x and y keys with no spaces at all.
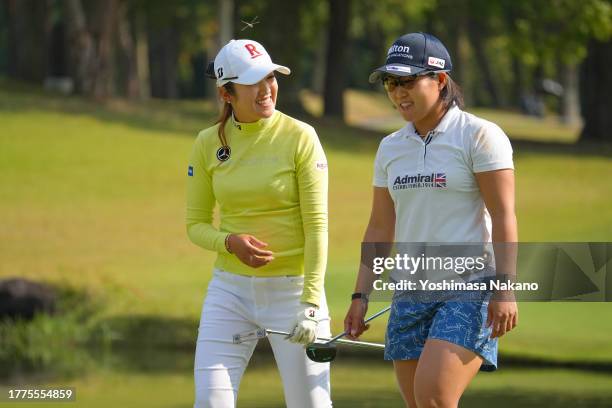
{"x":502,"y":316}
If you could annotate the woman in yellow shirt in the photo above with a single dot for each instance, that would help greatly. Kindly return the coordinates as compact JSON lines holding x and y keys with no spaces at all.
{"x":268,"y":174}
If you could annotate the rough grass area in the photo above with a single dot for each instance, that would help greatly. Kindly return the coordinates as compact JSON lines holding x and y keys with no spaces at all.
{"x":55,"y":343}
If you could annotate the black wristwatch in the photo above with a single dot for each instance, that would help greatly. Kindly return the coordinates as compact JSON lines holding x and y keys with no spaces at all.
{"x":359,"y":295}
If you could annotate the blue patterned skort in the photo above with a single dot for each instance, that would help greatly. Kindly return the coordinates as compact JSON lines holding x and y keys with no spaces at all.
{"x":459,"y":322}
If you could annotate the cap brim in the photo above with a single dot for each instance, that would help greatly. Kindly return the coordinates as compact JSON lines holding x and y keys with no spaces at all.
{"x":255,"y":74}
{"x":394,"y":69}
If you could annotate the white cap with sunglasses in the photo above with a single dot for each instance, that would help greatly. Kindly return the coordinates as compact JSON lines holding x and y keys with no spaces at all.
{"x":244,"y":62}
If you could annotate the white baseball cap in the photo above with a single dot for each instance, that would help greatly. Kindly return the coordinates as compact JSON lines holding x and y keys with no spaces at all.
{"x":244,"y":62}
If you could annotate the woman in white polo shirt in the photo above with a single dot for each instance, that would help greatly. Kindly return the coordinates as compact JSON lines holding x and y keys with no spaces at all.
{"x":445,"y":177}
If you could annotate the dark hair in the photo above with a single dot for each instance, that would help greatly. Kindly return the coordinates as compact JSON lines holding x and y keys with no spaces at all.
{"x":227,"y":110}
{"x":226,"y":113}
{"x":451,"y":94}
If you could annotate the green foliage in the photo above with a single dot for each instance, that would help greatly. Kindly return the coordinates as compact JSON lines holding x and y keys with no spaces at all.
{"x":373,"y":29}
{"x":392,"y":17}
{"x":551,"y":29}
{"x":56,"y":342}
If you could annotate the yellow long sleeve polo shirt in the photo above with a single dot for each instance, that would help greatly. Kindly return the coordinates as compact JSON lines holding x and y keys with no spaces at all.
{"x":273,"y":186}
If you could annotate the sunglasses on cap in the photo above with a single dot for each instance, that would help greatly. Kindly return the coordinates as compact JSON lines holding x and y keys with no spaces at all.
{"x":406,"y":82}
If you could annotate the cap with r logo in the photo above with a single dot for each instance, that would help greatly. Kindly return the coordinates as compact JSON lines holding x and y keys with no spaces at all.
{"x":244,"y":62}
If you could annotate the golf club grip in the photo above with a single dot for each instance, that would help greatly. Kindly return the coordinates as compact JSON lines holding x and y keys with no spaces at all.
{"x":374,"y":316}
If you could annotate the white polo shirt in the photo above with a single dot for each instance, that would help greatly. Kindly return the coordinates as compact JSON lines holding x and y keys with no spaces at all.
{"x":431,"y":180}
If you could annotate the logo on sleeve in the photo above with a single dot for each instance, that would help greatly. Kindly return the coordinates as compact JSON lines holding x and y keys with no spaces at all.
{"x":321,"y":165}
{"x":190,"y":171}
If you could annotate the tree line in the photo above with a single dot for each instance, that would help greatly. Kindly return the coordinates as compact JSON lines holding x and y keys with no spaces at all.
{"x":517,"y":54}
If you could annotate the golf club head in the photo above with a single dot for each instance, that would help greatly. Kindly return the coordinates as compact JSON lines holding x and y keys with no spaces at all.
{"x":321,"y":352}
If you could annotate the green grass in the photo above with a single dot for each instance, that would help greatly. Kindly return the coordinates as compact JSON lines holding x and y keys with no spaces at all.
{"x":112,"y":385}
{"x":93,"y":195}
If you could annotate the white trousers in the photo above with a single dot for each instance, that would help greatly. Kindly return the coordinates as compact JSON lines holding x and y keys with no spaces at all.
{"x":236,"y":303}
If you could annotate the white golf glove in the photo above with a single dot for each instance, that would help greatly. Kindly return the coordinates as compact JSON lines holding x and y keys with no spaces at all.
{"x":305,"y":327}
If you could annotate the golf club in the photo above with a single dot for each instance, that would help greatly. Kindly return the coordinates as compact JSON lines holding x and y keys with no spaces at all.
{"x":261,"y":333}
{"x":374,"y":316}
{"x":324,"y":352}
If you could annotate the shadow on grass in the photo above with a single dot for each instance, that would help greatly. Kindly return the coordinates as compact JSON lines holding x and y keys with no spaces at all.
{"x":141,"y":331}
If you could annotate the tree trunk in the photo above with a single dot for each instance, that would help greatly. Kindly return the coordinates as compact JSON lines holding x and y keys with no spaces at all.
{"x":103,"y":83}
{"x":335,"y":72}
{"x":570,"y":100}
{"x":29,"y":30}
{"x":227,"y":13}
{"x":92,"y":55}
{"x":518,"y":82}
{"x":81,"y":47}
{"x":318,"y":74}
{"x":57,"y":55}
{"x":12,"y":38}
{"x":142,"y":55}
{"x":198,"y":69}
{"x":460,"y":56}
{"x":478,"y":38}
{"x":129,"y":59}
{"x":163,"y":50}
{"x":226,"y":21}
{"x":596,"y":85}
{"x":283,"y":44}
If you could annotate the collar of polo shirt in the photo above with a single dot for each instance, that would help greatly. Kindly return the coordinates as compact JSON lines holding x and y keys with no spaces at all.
{"x":448,"y":117}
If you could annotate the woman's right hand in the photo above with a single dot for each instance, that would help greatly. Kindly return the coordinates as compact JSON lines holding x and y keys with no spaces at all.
{"x":353,"y":322}
{"x":249,"y":250}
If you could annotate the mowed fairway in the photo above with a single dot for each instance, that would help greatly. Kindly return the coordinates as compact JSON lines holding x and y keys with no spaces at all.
{"x":94,"y":197}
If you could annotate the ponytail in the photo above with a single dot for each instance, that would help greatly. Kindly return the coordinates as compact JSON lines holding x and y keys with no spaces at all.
{"x":226,"y":114}
{"x":451,"y":94}
{"x":227,"y":110}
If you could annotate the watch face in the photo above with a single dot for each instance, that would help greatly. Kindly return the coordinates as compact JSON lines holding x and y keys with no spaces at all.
{"x":223,"y":154}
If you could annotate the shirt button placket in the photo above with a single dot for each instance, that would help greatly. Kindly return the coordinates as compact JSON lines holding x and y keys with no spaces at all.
{"x":421,"y":165}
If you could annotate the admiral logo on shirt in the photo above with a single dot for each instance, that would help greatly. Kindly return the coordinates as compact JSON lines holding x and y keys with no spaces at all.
{"x":433,"y":180}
